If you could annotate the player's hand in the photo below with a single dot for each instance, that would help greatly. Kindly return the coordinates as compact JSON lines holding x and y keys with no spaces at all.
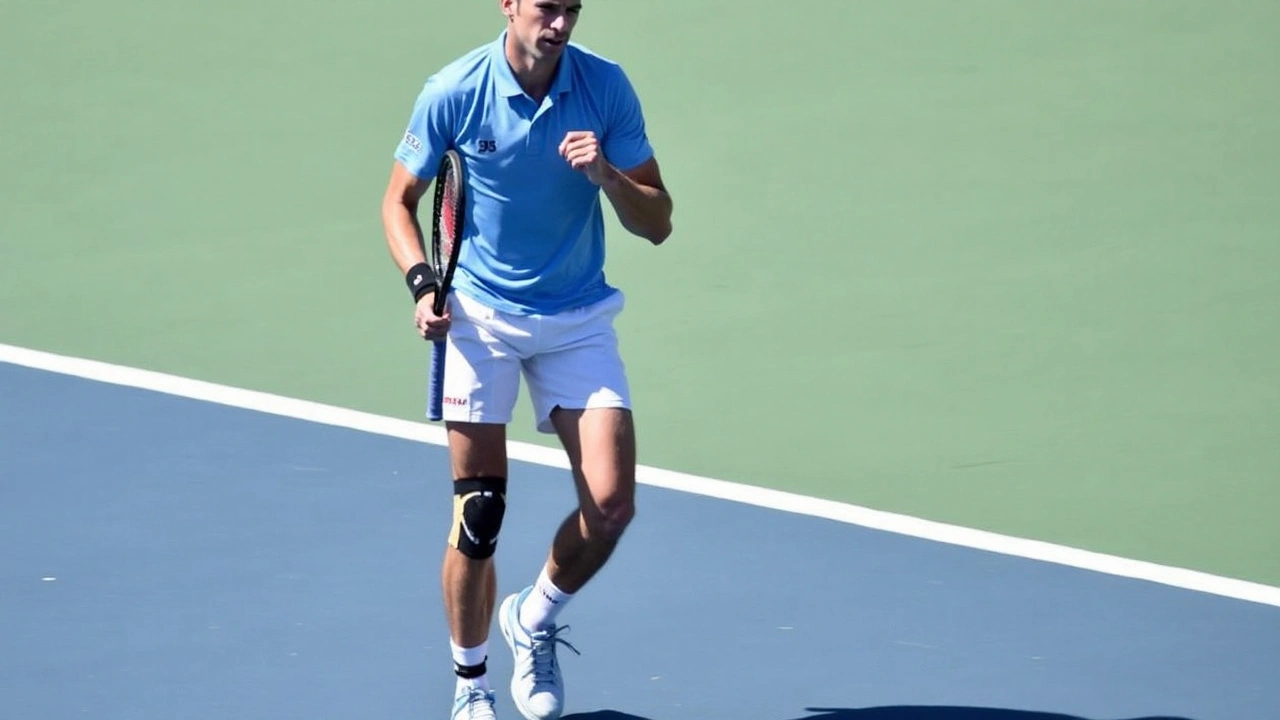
{"x":431,"y":326}
{"x":582,"y":150}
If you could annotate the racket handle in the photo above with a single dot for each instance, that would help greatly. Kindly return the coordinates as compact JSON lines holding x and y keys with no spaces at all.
{"x":435,"y":384}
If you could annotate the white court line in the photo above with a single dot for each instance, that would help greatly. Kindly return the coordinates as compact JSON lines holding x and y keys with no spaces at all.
{"x":763,"y":497}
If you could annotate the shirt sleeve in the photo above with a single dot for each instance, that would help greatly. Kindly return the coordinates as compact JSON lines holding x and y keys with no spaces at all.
{"x":429,"y":132}
{"x":626,"y":143}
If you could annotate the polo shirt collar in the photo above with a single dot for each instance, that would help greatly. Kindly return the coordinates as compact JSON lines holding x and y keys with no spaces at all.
{"x":505,"y":80}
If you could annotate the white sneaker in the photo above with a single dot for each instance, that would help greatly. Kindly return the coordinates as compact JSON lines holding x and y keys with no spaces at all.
{"x":473,"y":704}
{"x":536,"y":685}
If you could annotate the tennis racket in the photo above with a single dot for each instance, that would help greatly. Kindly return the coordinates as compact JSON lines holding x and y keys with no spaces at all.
{"x":446,"y":242}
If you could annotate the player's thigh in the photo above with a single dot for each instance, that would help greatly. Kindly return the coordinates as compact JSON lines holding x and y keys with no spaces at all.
{"x":580,"y":367}
{"x":601,"y":445}
{"x":477,"y":449}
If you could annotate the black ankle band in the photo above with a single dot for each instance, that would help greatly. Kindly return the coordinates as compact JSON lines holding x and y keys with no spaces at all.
{"x":468,"y":672}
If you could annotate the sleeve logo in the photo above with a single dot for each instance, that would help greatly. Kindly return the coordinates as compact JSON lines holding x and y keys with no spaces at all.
{"x":413,"y":142}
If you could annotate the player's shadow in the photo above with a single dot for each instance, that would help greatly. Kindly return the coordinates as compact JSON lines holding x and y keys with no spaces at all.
{"x":897,"y":712}
{"x":925,"y":712}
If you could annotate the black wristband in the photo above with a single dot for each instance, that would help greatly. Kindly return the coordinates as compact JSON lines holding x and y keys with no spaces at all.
{"x":421,"y":280}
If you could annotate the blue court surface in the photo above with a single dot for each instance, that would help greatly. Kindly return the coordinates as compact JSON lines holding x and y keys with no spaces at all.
{"x":170,"y":559}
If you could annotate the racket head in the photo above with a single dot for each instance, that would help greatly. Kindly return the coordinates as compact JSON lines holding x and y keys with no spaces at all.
{"x":447,"y":222}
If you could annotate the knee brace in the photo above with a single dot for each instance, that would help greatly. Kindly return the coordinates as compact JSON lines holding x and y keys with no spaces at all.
{"x":478,"y":506}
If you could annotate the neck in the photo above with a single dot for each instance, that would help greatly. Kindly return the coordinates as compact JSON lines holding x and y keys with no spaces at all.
{"x":534,"y":76}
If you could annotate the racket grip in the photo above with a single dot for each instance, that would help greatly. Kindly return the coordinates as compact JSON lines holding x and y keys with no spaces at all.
{"x":435,"y":383}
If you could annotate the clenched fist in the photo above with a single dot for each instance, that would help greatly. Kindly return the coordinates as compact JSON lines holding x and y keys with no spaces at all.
{"x":582,"y":150}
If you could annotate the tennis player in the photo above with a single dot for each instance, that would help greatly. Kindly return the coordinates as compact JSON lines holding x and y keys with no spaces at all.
{"x":544,"y":127}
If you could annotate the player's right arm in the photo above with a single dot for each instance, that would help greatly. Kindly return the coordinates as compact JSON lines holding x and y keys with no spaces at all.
{"x":416,"y":159}
{"x":405,"y":241}
{"x":400,"y":221}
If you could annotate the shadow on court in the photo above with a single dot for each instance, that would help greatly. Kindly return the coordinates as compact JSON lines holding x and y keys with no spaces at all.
{"x":900,"y":712}
{"x":907,"y":712}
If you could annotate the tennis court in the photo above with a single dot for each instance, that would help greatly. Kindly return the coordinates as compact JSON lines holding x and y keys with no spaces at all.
{"x":1027,"y":256}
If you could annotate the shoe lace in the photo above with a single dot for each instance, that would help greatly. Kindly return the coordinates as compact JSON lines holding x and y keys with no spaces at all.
{"x":479,"y":704}
{"x":543,"y":650}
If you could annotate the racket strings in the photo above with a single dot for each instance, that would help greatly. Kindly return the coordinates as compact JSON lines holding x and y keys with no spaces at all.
{"x":448,"y":216}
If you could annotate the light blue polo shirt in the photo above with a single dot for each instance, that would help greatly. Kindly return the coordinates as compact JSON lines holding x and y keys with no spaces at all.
{"x":533,"y":240}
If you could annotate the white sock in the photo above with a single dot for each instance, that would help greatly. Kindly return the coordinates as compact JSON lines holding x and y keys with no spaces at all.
{"x":473,"y":658}
{"x":544,"y":602}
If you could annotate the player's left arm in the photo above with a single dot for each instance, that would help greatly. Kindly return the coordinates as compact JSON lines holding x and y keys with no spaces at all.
{"x":641,"y":200}
{"x":623,"y":164}
{"x":638,"y":194}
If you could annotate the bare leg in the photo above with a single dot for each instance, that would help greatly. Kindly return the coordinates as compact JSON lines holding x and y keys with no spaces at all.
{"x":470,"y":585}
{"x":601,"y":446}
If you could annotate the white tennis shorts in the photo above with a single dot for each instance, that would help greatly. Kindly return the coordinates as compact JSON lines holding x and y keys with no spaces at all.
{"x":569,"y":360}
